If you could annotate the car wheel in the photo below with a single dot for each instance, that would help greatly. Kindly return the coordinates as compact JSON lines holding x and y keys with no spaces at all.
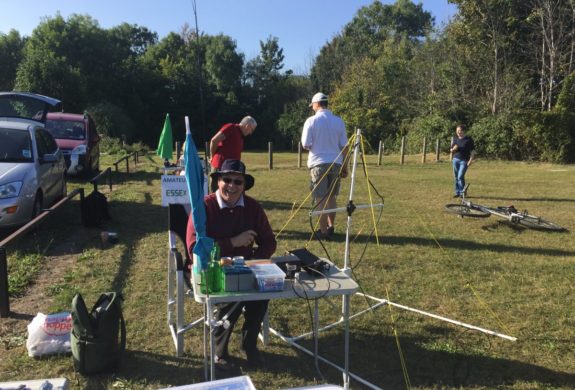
{"x":37,"y":208}
{"x":64,"y":192}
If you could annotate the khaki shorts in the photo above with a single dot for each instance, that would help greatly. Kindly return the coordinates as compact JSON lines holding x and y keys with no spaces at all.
{"x":321,"y":183}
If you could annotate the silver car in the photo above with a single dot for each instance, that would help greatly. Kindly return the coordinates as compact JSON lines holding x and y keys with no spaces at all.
{"x":32,"y":168}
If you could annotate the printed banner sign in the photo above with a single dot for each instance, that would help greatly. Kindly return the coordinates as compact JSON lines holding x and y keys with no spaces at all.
{"x":174,"y":190}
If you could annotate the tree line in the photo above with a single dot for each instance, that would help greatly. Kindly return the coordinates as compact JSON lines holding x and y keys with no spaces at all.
{"x":505,"y":68}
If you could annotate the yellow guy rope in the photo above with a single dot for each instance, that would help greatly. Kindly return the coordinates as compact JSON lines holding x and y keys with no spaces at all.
{"x":401,"y":357}
{"x":467,"y":284}
{"x":293,"y":214}
{"x":369,"y":191}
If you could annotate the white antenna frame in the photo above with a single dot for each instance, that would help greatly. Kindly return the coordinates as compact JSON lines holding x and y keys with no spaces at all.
{"x":347,"y":269}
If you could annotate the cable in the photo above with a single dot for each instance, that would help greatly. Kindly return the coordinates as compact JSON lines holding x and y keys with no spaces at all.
{"x":312,"y":321}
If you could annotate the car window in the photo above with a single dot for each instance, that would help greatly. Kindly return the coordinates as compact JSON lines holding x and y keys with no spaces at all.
{"x":50,"y":142}
{"x":15,"y":146}
{"x":42,"y":143}
{"x":63,"y":129}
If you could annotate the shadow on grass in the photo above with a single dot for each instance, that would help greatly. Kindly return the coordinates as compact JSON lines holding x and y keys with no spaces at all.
{"x":535,"y":199}
{"x":145,"y":367}
{"x":444,"y":242}
{"x":137,"y":176}
{"x":375,"y":359}
{"x":272,"y":205}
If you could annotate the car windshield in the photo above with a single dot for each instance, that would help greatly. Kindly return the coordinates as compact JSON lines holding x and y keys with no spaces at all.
{"x":61,"y":129}
{"x":15,"y":146}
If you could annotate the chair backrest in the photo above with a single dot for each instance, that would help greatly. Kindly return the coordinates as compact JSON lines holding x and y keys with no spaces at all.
{"x":178,"y":220}
{"x":177,"y":226}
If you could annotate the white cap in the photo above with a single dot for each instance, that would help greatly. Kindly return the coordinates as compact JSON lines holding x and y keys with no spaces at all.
{"x":318,"y":97}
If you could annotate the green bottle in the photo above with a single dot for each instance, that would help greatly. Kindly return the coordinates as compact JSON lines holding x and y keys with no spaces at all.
{"x":214,"y":270}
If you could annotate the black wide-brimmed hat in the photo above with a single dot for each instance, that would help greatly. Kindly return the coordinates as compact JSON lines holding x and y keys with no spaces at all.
{"x":235,"y":166}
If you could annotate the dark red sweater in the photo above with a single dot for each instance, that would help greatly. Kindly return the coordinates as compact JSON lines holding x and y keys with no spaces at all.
{"x":222,"y":224}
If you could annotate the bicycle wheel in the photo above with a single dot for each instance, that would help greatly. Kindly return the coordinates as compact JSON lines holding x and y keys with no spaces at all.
{"x":533,"y":222}
{"x":466,"y":211}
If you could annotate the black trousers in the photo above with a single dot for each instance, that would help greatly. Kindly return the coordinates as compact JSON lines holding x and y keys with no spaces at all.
{"x":254,"y":312}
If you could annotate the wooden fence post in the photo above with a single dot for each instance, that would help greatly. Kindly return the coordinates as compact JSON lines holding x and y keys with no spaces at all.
{"x":437,"y":150}
{"x":423,"y":158}
{"x":450,"y":152}
{"x":4,"y":299}
{"x":271,"y":155}
{"x":380,"y":153}
{"x":299,"y":154}
{"x":402,"y":151}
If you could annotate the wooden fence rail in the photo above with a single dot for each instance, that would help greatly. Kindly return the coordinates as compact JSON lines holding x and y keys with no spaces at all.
{"x":126,"y":158}
{"x":4,"y":298}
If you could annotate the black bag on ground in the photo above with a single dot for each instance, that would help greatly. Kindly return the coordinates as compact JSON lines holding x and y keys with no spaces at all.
{"x":98,"y":338}
{"x":95,"y":209}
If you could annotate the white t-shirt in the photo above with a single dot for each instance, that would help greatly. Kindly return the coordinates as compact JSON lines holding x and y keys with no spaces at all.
{"x":324,"y":136}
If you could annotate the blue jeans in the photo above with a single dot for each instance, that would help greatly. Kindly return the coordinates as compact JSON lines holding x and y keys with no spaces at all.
{"x":459,"y":169}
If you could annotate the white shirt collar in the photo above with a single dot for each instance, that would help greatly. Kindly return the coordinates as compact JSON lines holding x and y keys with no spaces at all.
{"x":223,"y":204}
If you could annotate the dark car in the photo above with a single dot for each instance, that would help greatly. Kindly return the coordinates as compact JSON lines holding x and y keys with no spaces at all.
{"x":78,"y":139}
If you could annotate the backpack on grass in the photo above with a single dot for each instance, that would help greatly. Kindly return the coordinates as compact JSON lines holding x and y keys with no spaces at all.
{"x":98,"y":337}
{"x":95,"y":209}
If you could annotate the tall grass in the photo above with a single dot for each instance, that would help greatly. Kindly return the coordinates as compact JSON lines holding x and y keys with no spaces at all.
{"x":483,"y":272}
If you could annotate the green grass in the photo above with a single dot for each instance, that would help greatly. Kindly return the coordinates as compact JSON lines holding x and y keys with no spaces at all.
{"x":511,"y":280}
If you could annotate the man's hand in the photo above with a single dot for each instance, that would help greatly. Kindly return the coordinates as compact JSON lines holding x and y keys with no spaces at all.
{"x":454,"y":148}
{"x":244,"y":239}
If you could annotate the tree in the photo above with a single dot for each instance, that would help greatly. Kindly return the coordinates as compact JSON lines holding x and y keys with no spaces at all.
{"x":553,"y":24}
{"x":224,"y":66}
{"x":263,"y":90}
{"x":361,"y":37}
{"x":263,"y":72}
{"x":11,"y":53}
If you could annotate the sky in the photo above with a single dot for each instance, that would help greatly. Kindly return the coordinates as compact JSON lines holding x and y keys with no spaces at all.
{"x":301,"y":26}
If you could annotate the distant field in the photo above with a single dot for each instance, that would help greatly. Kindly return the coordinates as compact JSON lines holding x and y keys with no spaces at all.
{"x":511,"y":280}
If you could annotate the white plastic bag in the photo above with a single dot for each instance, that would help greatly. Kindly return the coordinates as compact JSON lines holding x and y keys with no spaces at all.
{"x":49,"y":334}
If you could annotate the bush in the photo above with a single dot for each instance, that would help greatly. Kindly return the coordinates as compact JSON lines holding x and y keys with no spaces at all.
{"x":433,"y":127}
{"x":111,"y":145}
{"x":494,"y":137}
{"x":547,"y":136}
{"x":113,"y":121}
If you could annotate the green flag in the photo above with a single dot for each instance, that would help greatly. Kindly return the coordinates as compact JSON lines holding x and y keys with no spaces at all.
{"x":165,"y":145}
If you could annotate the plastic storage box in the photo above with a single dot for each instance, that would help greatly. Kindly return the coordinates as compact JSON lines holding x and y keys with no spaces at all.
{"x":269,"y":277}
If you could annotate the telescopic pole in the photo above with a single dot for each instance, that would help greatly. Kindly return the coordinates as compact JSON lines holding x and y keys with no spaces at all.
{"x":350,"y":206}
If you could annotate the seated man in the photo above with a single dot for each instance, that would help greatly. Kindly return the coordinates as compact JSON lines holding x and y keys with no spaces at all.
{"x":236,"y":221}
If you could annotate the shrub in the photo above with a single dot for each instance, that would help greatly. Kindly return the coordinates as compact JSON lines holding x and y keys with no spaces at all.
{"x":111,"y":145}
{"x":547,"y":136}
{"x":433,"y":127}
{"x":113,"y":121}
{"x":494,"y":138}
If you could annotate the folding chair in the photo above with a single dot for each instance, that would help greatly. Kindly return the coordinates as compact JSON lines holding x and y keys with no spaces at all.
{"x":179,"y":284}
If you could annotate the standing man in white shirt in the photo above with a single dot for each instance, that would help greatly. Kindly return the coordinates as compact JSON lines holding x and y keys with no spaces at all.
{"x":325,"y":137}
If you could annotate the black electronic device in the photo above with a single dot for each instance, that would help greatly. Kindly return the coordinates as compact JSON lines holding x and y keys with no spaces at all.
{"x":289,"y":265}
{"x":311,"y":263}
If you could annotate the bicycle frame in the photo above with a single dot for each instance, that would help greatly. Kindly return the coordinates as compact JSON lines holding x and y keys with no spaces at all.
{"x":511,"y":216}
{"x":466,"y":208}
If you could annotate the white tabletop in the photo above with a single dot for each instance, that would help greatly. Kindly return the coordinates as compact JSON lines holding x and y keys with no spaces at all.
{"x":336,"y":283}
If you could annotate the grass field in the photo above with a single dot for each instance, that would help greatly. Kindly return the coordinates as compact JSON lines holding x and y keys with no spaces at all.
{"x":504,"y":278}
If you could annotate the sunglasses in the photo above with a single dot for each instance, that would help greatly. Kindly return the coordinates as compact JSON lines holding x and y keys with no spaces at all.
{"x":229,"y":180}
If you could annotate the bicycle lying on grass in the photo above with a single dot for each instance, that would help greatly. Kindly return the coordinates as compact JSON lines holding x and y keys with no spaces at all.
{"x":509,"y":213}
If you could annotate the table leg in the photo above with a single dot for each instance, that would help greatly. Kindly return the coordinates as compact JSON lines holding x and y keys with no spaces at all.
{"x":345,"y":313}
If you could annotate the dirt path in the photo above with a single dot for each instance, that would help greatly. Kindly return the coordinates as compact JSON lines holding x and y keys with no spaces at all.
{"x":59,"y":259}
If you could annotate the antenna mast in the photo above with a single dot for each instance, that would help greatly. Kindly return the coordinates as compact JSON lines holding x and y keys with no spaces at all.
{"x":200,"y":75}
